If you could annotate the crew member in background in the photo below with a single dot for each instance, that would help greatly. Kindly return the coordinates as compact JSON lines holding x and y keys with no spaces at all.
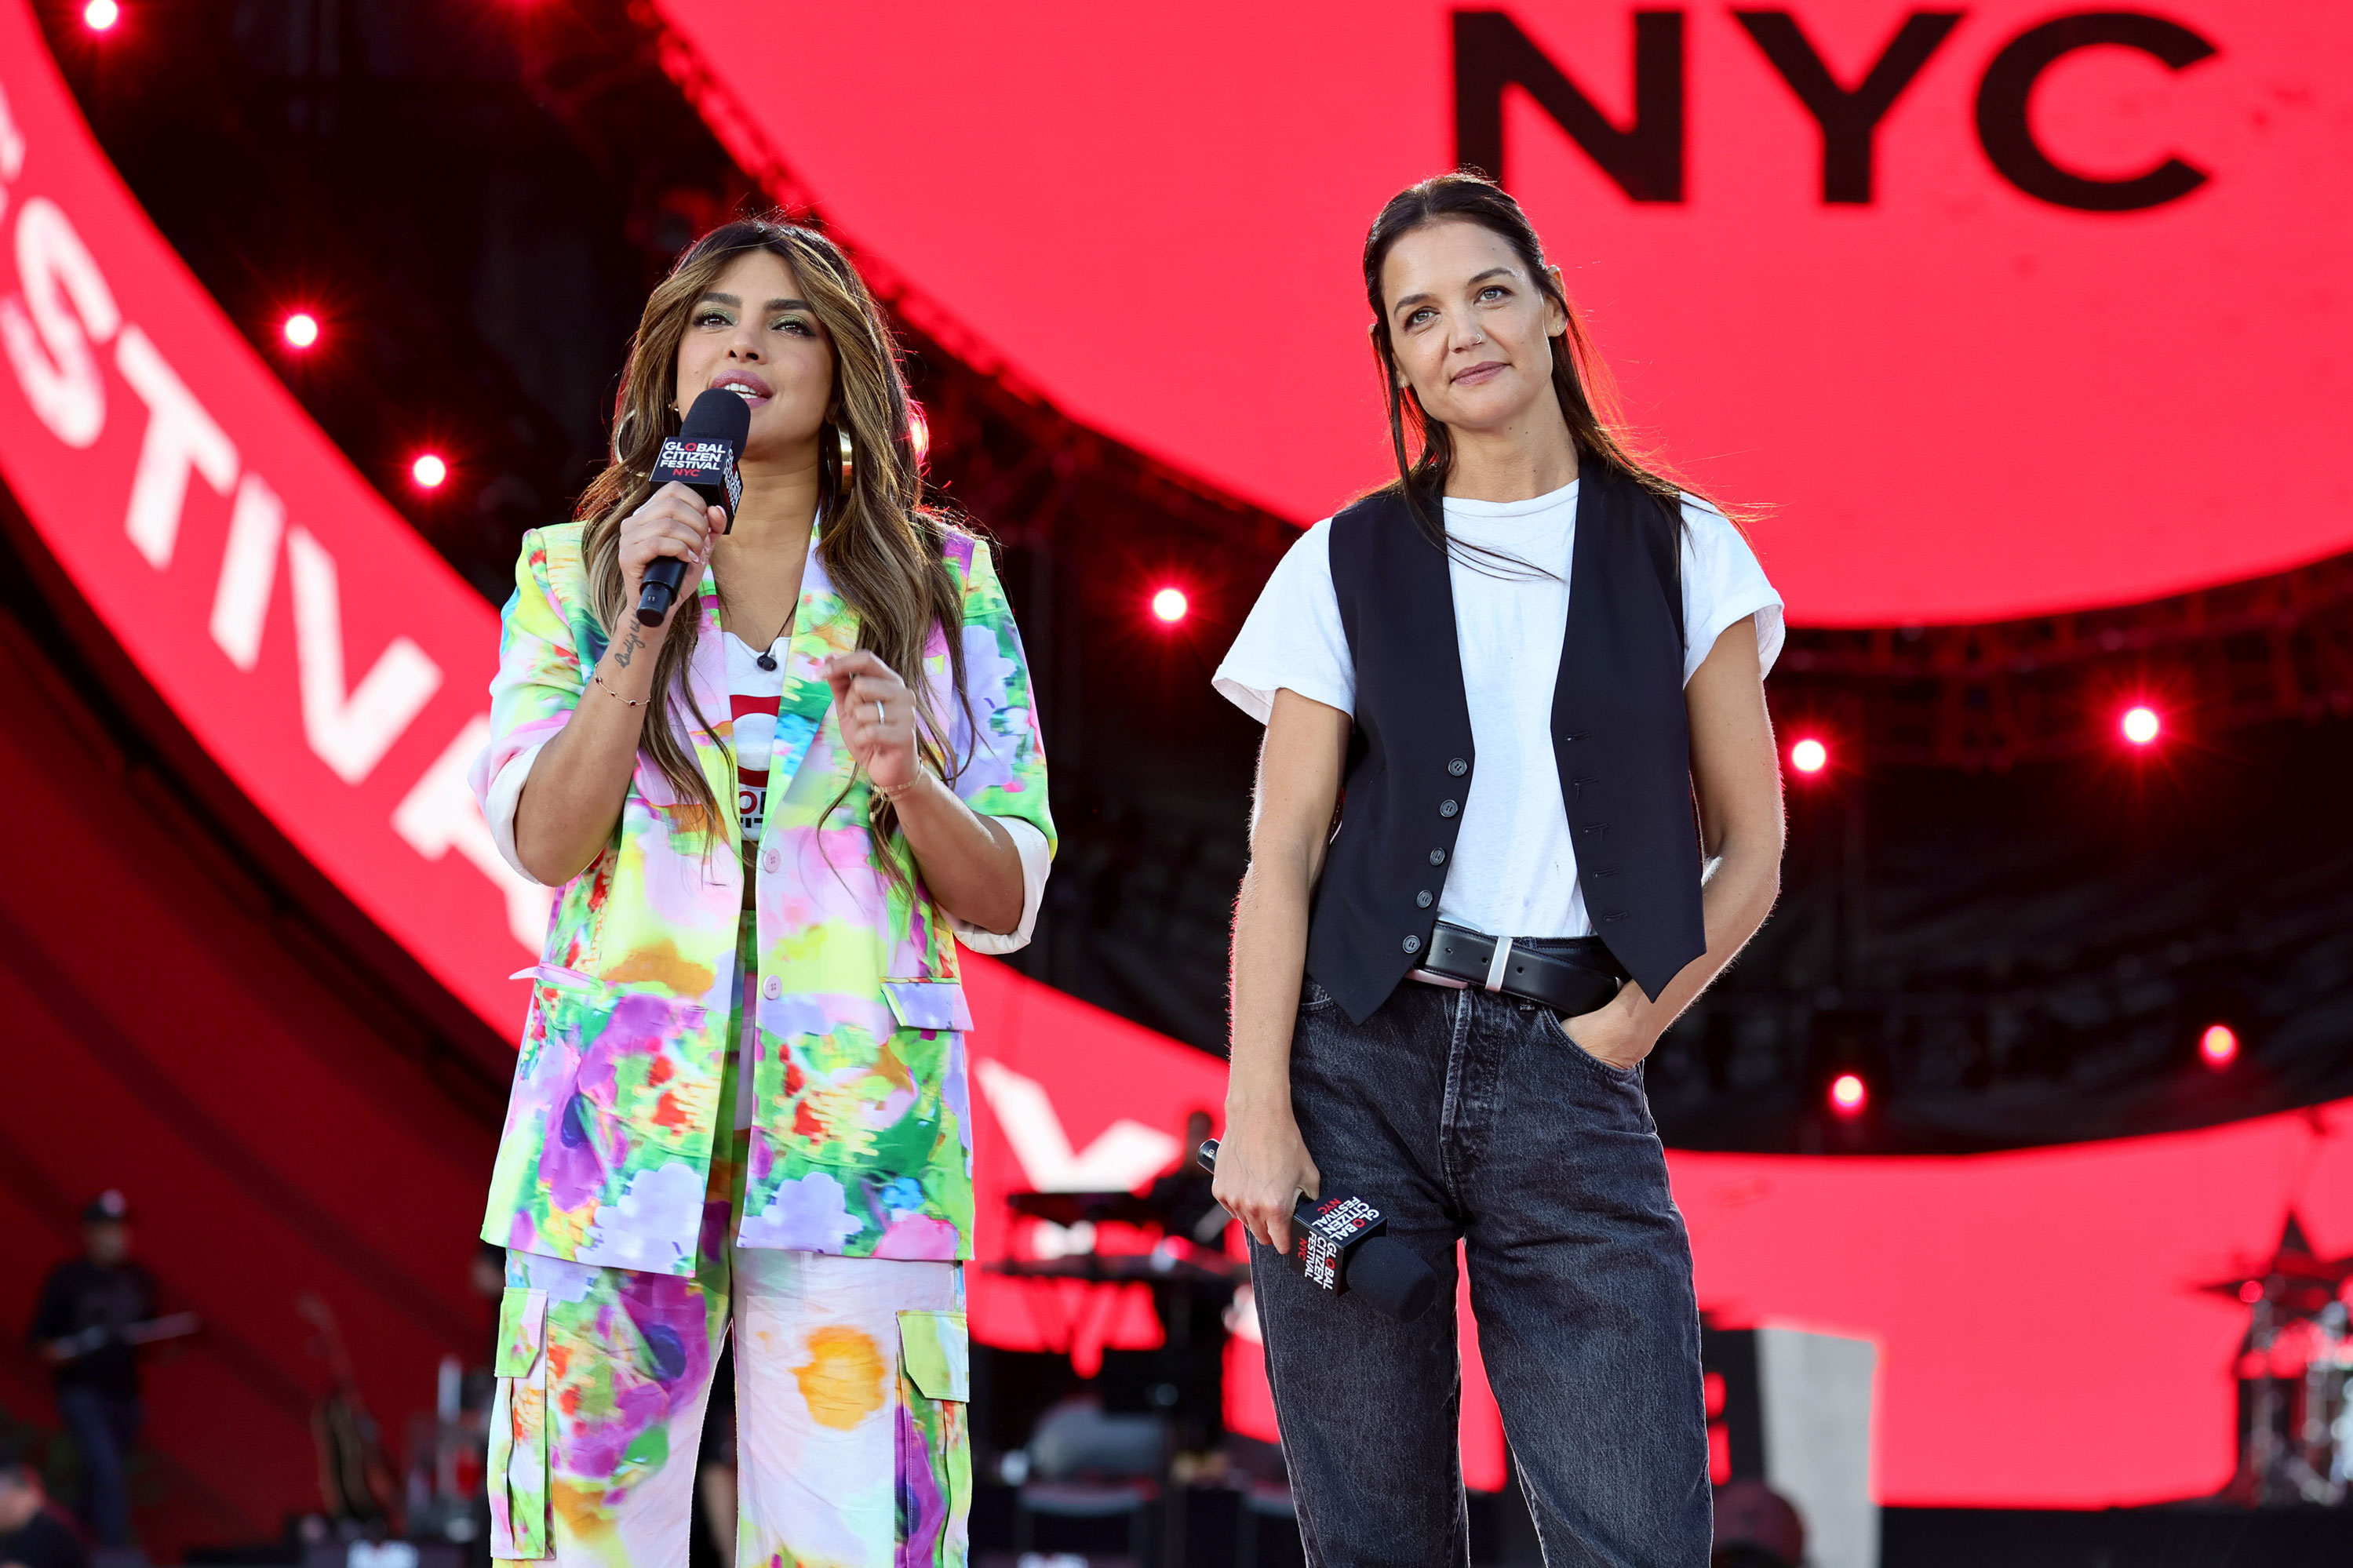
{"x":1522,"y":660}
{"x":32,"y":1535}
{"x":742,"y":1094}
{"x":88,"y":1307}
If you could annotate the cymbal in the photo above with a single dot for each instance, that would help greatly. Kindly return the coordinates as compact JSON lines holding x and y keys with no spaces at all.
{"x":1094,"y":1208}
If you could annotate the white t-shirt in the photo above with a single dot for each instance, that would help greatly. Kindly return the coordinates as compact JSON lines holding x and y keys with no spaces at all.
{"x":1514,"y":872}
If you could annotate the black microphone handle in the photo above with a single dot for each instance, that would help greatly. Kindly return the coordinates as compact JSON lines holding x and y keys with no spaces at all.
{"x":1384,"y":1272}
{"x":659,"y":590}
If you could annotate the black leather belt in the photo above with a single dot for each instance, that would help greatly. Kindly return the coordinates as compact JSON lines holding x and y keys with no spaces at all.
{"x":1570,"y":974}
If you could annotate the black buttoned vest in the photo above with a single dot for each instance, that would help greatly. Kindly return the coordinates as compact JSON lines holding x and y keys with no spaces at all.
{"x":1619,"y":729}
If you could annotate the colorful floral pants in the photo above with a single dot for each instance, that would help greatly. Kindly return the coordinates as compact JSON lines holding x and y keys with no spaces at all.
{"x":851,"y":1383}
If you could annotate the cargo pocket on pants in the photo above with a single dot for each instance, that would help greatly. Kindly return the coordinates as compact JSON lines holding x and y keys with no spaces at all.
{"x":517,"y":1465}
{"x":934,"y":1440}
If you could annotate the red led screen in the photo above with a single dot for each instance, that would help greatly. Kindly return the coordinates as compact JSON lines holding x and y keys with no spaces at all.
{"x":2052,"y":316}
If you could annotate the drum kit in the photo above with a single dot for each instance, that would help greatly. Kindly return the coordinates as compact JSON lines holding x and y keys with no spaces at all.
{"x":2294,"y":1373}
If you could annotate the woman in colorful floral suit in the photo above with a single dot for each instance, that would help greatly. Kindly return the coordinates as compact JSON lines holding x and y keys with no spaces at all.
{"x":742,"y":1095}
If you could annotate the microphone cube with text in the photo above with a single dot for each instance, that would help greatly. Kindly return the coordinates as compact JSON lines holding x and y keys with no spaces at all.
{"x":703,"y":457}
{"x":1338,"y":1242}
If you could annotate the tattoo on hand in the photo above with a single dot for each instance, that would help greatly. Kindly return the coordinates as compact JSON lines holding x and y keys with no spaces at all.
{"x":628,"y":651}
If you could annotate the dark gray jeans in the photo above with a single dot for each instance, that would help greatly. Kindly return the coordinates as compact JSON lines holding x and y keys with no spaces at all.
{"x":1469,"y":1115}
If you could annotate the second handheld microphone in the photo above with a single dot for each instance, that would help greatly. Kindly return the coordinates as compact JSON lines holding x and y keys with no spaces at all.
{"x":703,"y":457}
{"x":1336,"y":1242}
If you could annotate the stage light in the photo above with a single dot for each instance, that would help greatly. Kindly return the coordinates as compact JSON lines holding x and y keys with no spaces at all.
{"x":1170,"y":606}
{"x":1810,"y":756}
{"x":428,"y":471}
{"x":1848,"y":1094}
{"x":2218,"y":1046}
{"x":2140,"y":725}
{"x":301,"y":331}
{"x":100,"y":15}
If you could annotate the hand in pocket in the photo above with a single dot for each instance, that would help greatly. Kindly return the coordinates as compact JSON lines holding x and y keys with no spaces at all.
{"x":1610,"y":1033}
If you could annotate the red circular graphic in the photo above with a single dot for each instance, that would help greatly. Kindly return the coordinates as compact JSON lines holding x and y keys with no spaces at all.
{"x":2066,"y":331}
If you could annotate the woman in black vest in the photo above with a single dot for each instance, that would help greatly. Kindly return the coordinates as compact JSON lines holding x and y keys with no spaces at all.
{"x":1519,"y":664}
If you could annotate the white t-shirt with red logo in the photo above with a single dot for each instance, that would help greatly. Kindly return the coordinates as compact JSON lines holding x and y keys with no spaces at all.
{"x":755,"y":694}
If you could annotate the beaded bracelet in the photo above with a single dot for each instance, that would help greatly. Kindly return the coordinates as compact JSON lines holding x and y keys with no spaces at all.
{"x":630,"y":701}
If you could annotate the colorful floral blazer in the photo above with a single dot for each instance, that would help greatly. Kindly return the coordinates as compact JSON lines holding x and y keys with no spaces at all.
{"x":863,"y":1143}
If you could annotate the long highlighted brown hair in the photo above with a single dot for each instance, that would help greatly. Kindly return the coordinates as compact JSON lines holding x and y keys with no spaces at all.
{"x":880,"y":544}
{"x":1587,"y":392}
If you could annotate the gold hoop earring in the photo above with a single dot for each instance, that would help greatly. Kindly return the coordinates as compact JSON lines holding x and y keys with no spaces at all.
{"x":848,"y":462}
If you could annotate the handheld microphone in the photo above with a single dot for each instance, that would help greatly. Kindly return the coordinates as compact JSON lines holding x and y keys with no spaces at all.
{"x":1336,"y":1242}
{"x":702,"y":457}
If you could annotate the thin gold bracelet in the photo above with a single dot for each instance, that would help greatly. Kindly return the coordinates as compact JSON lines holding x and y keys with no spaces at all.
{"x":892,"y":794}
{"x":630,"y":701}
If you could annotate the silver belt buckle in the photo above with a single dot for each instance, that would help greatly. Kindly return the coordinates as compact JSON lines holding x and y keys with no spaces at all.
{"x":1430,"y":977}
{"x":1495,"y":964}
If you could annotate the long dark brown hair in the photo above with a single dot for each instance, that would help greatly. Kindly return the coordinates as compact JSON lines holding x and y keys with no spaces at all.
{"x":880,"y":544}
{"x":1587,"y":392}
